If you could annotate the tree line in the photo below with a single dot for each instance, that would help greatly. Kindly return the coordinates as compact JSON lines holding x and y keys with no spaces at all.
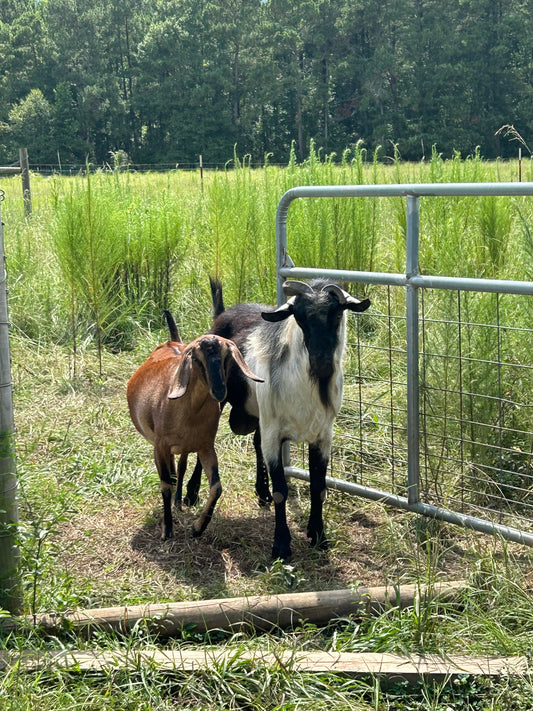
{"x":168,"y":80}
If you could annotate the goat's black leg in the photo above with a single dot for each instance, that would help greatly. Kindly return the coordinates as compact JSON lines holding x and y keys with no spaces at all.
{"x":261,"y":473}
{"x":166,"y":468}
{"x":193,"y":485}
{"x":210,"y":465}
{"x":282,"y":537}
{"x":318,"y":464}
{"x":182,"y":468}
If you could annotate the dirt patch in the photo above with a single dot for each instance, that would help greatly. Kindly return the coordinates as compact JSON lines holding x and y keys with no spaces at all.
{"x":119,"y":553}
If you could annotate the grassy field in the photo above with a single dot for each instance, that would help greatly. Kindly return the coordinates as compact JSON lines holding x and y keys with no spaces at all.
{"x":88,"y":276}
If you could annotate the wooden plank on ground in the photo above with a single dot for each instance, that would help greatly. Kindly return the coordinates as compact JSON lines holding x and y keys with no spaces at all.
{"x":261,"y":612}
{"x":188,"y":660}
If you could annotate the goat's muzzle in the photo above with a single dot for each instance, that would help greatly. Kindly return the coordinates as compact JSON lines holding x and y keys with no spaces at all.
{"x":218,"y":391}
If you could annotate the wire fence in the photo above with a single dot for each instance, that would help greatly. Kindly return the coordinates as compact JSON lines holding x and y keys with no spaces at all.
{"x":72,"y":169}
{"x":476,"y":410}
{"x":437,"y":416}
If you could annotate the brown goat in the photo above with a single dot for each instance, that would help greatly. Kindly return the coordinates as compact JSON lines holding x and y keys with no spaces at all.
{"x":174,"y":399}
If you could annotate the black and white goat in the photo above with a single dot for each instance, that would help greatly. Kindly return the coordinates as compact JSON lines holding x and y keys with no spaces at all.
{"x":297,"y":350}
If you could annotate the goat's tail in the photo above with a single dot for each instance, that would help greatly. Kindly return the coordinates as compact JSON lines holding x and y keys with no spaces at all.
{"x":174,"y":333}
{"x":216,"y":296}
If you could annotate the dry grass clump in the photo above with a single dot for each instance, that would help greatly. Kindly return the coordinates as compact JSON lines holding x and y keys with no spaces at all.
{"x":117,"y":550}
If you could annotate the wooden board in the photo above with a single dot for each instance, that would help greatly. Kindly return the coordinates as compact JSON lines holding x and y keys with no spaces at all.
{"x":261,"y":612}
{"x":289,"y":661}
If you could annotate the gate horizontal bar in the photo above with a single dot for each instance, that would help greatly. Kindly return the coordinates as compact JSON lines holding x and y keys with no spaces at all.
{"x":412,"y":189}
{"x":384,"y":278}
{"x":494,"y":286}
{"x":471,"y":522}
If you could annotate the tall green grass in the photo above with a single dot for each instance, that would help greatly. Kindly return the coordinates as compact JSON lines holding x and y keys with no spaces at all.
{"x":104,"y":254}
{"x":119,"y":247}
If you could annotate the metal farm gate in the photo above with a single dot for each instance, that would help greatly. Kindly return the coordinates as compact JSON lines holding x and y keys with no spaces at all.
{"x":437,"y":416}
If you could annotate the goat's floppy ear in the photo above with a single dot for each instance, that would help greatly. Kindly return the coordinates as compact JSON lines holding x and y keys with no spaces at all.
{"x":243,"y":365}
{"x":181,"y":377}
{"x":281,"y":313}
{"x":353,"y":304}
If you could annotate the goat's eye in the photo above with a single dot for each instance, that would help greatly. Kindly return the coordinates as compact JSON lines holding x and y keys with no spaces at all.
{"x":334,"y":318}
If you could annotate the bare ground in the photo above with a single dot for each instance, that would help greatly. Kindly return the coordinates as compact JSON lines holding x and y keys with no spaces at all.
{"x":119,"y":550}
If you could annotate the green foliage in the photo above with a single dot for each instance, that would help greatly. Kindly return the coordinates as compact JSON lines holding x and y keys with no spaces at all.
{"x":121,"y":246}
{"x":167,"y":82}
{"x":30,"y":125}
{"x":89,"y":248}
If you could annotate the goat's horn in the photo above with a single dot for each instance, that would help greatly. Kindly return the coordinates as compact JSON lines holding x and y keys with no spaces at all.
{"x":341,"y":295}
{"x":346,"y":299}
{"x":293,"y":288}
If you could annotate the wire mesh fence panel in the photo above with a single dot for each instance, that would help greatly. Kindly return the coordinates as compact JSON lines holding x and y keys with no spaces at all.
{"x":370,"y":446}
{"x":476,"y":409}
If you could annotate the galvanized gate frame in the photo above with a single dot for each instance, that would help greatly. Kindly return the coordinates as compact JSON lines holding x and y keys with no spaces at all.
{"x":412,"y":281}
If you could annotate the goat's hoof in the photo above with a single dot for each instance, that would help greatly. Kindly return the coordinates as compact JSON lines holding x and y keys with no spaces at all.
{"x":278,"y":554}
{"x":264,"y":500}
{"x":319,"y":541}
{"x":166,"y":535}
{"x":196,"y":531}
{"x":190,"y":500}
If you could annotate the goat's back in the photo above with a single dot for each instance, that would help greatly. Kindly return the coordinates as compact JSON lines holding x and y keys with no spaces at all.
{"x":238,"y":321}
{"x":170,"y":349}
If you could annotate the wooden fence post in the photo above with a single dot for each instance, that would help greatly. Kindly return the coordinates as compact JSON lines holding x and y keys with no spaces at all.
{"x":202,"y":174}
{"x":10,"y":589}
{"x":26,"y":190}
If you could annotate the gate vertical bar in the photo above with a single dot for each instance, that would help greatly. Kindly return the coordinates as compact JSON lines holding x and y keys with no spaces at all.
{"x":281,"y":243}
{"x":282,"y":260}
{"x":413,"y":430}
{"x":10,"y":590}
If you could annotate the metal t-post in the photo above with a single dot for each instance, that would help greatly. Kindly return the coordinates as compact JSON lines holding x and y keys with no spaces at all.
{"x":10,"y":591}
